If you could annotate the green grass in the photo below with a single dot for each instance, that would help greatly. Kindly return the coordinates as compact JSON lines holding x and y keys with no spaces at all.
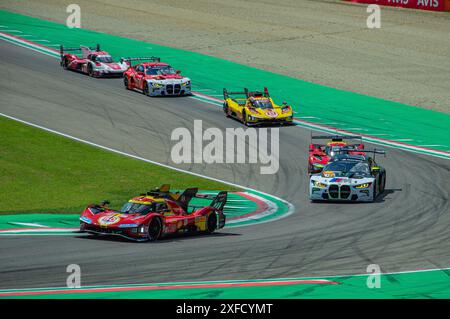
{"x":41,"y":172}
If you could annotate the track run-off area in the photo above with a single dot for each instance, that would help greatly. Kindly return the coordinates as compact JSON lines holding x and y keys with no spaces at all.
{"x":406,"y":229}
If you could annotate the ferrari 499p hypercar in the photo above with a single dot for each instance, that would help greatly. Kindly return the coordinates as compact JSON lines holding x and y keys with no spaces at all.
{"x":321,"y":153}
{"x":155,"y":214}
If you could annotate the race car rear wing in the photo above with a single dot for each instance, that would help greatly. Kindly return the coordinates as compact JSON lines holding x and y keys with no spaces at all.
{"x":375,"y":151}
{"x":151,"y":58}
{"x":247,"y":93}
{"x":218,"y":201}
{"x":63,"y":49}
{"x":336,"y":138}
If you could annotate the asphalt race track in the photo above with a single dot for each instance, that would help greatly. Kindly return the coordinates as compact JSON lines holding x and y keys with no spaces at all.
{"x":407,"y":228}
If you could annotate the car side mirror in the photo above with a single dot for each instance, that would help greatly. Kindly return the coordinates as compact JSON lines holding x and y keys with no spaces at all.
{"x":284,"y":103}
{"x":105,"y":202}
{"x":178,"y":71}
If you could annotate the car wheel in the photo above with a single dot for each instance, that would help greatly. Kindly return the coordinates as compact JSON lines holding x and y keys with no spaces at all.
{"x":146,"y":90}
{"x":90,"y":71}
{"x":225,"y":109}
{"x":375,"y":193}
{"x":383,"y":183}
{"x":244,"y":119}
{"x":125,"y":82}
{"x":65,"y":64}
{"x":211,"y":223}
{"x":154,"y":229}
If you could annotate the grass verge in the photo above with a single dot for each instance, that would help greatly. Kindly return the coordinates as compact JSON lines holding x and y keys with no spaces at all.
{"x":41,"y":172}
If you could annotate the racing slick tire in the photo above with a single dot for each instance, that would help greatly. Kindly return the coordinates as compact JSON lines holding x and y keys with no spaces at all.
{"x":154,"y":229}
{"x":126,"y":82}
{"x":375,"y":192}
{"x":244,"y":120}
{"x":211,"y":223}
{"x":225,"y":109}
{"x":146,"y":91}
{"x":90,"y":70}
{"x":383,"y":183}
{"x":65,"y":64}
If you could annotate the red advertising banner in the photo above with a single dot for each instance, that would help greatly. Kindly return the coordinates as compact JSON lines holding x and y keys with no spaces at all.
{"x":434,"y":5}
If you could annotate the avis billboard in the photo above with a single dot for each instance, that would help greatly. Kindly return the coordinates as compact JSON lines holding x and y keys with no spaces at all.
{"x":433,"y":5}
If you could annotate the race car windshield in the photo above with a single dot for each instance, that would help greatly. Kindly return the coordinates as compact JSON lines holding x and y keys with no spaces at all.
{"x":333,"y":150}
{"x":348,"y":169}
{"x":159,"y":70}
{"x":262,"y":104}
{"x":104,"y":59}
{"x":135,"y":208}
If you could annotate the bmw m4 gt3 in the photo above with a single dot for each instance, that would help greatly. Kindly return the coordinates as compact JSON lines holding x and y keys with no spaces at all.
{"x":349,"y":178}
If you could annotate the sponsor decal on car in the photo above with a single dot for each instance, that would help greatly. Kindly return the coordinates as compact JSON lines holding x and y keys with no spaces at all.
{"x":271,"y":113}
{"x":109,"y":219}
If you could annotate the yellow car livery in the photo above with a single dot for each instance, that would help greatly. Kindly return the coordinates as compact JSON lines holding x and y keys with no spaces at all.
{"x":252,"y":108}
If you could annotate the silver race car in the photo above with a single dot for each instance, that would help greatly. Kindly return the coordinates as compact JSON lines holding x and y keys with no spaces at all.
{"x":349,"y":178}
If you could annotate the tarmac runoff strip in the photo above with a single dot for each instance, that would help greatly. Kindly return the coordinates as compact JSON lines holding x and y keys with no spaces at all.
{"x":170,"y":286}
{"x":432,"y":283}
{"x":425,"y":131}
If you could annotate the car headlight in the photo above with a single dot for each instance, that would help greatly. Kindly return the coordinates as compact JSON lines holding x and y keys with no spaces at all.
{"x":188,"y":83}
{"x":365,"y":185}
{"x":319,"y":184}
{"x":286,"y":109}
{"x":141,"y":229}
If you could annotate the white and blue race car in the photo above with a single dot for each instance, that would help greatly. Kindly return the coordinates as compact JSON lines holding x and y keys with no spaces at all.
{"x":349,"y":178}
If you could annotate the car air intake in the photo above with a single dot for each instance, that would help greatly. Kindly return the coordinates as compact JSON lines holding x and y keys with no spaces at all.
{"x":333,"y":190}
{"x":177,"y":89}
{"x":345,"y":191}
{"x":169,"y":88}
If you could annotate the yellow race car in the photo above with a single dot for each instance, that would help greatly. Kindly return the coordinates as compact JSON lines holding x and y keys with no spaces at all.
{"x":253,"y":108}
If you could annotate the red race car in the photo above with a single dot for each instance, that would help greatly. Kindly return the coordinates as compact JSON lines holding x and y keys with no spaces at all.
{"x":155,"y":78}
{"x":93,"y":62}
{"x":155,"y":214}
{"x":320,"y":154}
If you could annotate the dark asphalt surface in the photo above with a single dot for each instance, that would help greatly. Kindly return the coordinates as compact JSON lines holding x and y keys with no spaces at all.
{"x":407,"y":228}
